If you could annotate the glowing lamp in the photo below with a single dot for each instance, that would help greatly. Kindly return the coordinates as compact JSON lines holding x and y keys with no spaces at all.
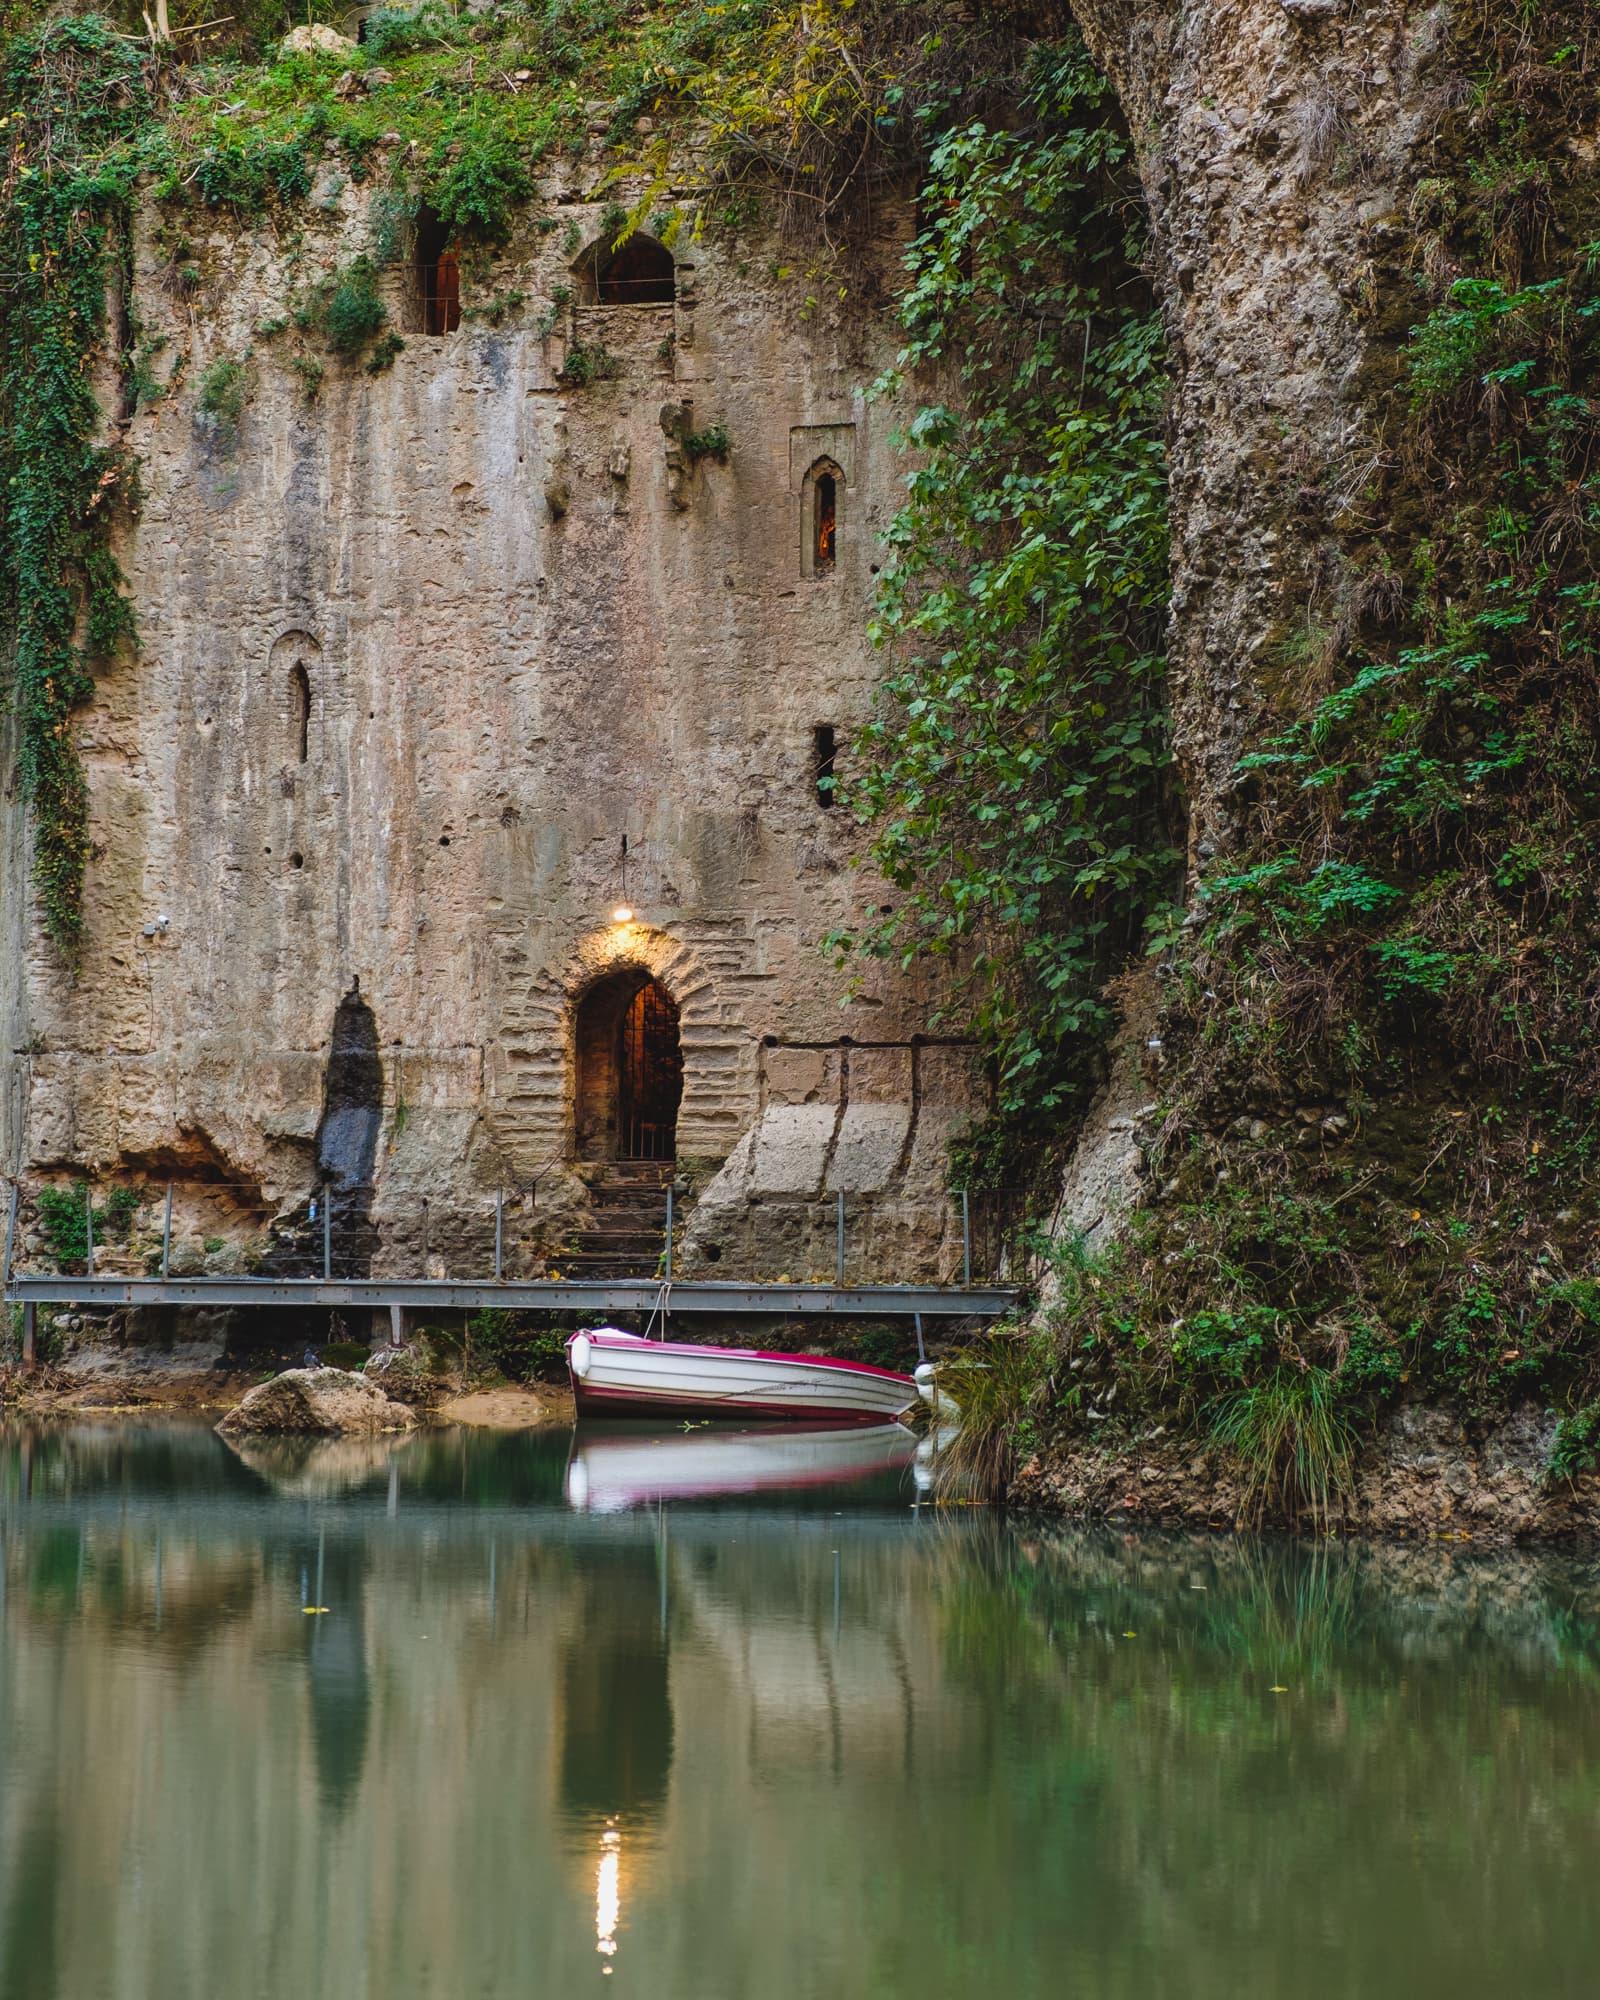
{"x":622,"y":915}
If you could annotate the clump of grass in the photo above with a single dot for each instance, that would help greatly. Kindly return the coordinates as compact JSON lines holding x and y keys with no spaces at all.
{"x":1290,"y":1441}
{"x":994,"y":1384}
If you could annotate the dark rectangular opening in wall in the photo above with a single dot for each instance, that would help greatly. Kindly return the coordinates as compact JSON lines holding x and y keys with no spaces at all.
{"x":823,"y":752}
{"x":438,"y":275}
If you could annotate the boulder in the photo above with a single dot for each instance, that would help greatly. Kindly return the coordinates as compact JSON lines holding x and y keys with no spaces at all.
{"x":314,"y":38}
{"x":317,"y":1402}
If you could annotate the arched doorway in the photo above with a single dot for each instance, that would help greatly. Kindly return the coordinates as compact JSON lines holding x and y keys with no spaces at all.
{"x":630,"y":1069}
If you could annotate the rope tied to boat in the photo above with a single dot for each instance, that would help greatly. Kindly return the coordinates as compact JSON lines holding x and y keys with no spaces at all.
{"x":662,"y":1307}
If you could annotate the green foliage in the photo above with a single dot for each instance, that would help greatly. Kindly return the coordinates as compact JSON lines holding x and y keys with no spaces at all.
{"x":71,"y":91}
{"x":475,"y":197}
{"x":1014,"y":776}
{"x":354,"y":313}
{"x":589,"y":361}
{"x":507,"y":1344}
{"x":382,"y":357}
{"x":709,"y":443}
{"x":1293,"y":1446}
{"x":995,"y":1383}
{"x":248,"y":178}
{"x":222,"y":398}
{"x":1575,"y":1446}
{"x":399,"y":31}
{"x":64,"y":1216}
{"x":349,"y":1354}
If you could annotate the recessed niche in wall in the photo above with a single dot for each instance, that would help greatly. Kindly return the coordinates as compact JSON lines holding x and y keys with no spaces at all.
{"x":294,"y":675}
{"x":824,"y":753}
{"x":438,"y":269}
{"x":821,"y":472}
{"x":641,"y":272}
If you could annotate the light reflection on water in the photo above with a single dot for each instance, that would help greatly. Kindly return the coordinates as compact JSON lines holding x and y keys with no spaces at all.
{"x":799,"y":1740}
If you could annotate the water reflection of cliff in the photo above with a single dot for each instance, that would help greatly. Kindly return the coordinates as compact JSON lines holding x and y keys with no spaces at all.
{"x":972,"y":1757}
{"x":616,"y":1706}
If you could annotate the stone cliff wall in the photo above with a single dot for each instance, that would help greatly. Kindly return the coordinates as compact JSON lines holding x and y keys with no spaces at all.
{"x":420,"y":652}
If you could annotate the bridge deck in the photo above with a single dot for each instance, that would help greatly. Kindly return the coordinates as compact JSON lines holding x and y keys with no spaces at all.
{"x":548,"y":1295}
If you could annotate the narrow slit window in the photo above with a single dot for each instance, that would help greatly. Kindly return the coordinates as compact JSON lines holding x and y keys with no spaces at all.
{"x":825,"y":521}
{"x":823,"y":753}
{"x":300,"y":710}
{"x":438,"y":275}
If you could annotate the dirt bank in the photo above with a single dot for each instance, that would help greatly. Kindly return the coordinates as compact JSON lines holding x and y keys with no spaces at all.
{"x":1428,"y":1473}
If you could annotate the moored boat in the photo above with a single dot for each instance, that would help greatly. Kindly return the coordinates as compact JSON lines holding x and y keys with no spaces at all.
{"x":623,"y":1374}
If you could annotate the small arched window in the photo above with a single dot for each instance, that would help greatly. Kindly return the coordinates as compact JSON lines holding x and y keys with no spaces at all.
{"x":824,"y":520}
{"x":641,"y":272}
{"x":820,"y":502}
{"x":300,"y":710}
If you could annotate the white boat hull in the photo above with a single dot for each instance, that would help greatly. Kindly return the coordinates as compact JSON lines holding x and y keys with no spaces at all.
{"x":621,"y":1374}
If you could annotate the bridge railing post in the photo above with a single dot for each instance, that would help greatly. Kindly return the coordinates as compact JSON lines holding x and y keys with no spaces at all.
{"x":839,"y":1243}
{"x":499,"y":1234}
{"x":166,"y":1235}
{"x":11,"y":1235}
{"x":669,"y":1234}
{"x":966,"y":1238}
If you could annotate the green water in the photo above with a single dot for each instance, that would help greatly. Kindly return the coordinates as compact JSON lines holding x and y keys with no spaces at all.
{"x":817,"y":1742}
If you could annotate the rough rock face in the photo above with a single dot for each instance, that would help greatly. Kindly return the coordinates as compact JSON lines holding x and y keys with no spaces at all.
{"x":1276,"y":143}
{"x":317,"y":1402}
{"x":1426,"y":1474}
{"x":438,"y":667}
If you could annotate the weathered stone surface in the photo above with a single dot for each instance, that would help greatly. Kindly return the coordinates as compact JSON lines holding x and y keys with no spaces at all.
{"x":498,"y":692}
{"x":325,"y":1402}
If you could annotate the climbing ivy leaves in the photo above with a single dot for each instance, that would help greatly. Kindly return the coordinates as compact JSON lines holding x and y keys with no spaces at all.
{"x":1015,"y":772}
{"x":70,"y":90}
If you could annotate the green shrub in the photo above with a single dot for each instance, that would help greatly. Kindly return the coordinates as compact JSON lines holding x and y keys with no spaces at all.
{"x":397,"y":31}
{"x":709,"y":443}
{"x":586,"y":363}
{"x":1575,"y":1448}
{"x":346,"y":1354}
{"x":506,"y":1343}
{"x":222,"y":389}
{"x":247,"y":178}
{"x":354,"y":313}
{"x":475,"y":197}
{"x":382,"y":356}
{"x":64,"y":1218}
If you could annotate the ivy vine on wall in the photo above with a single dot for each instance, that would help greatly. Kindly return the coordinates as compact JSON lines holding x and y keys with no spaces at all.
{"x":70,"y":90}
{"x":1014,"y":774}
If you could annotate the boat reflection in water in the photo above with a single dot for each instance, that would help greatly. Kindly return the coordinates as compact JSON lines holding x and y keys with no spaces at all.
{"x":610,"y":1471}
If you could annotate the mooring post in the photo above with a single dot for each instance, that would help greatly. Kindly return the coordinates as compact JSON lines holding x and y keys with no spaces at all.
{"x":499,"y":1233}
{"x":966,"y":1238}
{"x":11,"y":1237}
{"x":166,"y":1235}
{"x":88,"y":1227}
{"x":327,"y":1234}
{"x":839,"y":1247}
{"x":30,"y":1327}
{"x":669,"y":1232}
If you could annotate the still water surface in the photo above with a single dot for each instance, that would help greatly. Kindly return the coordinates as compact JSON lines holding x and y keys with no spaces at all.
{"x":634,"y":1720}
